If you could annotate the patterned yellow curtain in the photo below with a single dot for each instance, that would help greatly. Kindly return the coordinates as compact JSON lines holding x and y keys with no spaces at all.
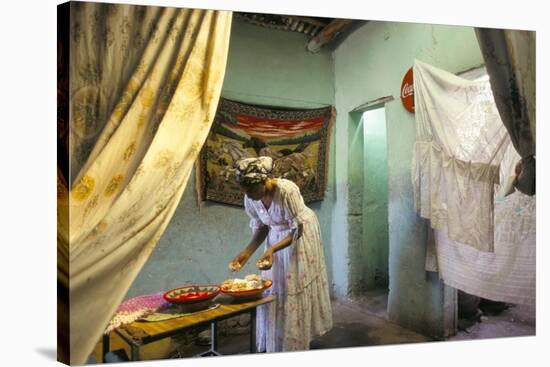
{"x":145,"y":83}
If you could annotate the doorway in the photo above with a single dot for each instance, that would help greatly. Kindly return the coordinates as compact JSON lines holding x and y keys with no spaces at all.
{"x":368,"y":210}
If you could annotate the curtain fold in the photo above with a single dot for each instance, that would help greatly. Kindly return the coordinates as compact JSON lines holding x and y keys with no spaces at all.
{"x":511,"y":64}
{"x":460,"y":141}
{"x":145,"y":83}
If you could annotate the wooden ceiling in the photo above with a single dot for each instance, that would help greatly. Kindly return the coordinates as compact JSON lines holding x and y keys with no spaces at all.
{"x":320,"y":32}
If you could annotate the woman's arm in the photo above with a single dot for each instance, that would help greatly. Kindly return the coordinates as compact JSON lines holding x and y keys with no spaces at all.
{"x":266,"y":261}
{"x":257,"y":239}
{"x":287,"y":241}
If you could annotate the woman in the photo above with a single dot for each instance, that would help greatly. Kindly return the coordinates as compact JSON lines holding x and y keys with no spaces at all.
{"x":293,"y":259}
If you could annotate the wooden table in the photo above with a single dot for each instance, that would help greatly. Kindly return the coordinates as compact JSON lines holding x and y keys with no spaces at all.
{"x":138,"y":333}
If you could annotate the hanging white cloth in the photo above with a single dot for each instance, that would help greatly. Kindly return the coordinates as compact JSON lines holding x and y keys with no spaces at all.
{"x":460,"y":142}
{"x":508,"y":274}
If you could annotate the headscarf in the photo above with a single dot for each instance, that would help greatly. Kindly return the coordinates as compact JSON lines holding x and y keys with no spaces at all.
{"x":253,"y":170}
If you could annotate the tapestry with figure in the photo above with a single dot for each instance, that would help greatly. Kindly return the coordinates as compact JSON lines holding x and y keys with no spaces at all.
{"x":297,"y":140}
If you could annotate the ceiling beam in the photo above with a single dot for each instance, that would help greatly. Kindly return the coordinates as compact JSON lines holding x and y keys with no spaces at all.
{"x":309,"y":20}
{"x":328,"y":33}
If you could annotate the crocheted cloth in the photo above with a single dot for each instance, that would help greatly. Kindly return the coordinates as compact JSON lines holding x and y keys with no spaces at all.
{"x":136,"y":308}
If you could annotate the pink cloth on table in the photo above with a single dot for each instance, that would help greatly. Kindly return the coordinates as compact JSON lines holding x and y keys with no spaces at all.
{"x":136,"y":308}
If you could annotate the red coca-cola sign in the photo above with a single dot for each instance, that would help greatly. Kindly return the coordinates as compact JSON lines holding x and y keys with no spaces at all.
{"x":407,"y":91}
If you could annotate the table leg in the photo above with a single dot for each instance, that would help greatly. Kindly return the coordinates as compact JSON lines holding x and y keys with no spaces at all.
{"x":214,"y":336}
{"x":135,"y":353}
{"x":253,"y":331}
{"x":106,"y":346}
{"x":213,"y":341}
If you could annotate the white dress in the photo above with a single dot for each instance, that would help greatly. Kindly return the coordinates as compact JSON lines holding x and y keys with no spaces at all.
{"x":302,"y":308}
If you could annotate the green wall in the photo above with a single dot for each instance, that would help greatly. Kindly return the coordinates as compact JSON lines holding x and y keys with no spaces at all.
{"x":264,"y":67}
{"x":272,"y":67}
{"x":367,"y":204}
{"x":375,"y":198}
{"x":368,"y":65}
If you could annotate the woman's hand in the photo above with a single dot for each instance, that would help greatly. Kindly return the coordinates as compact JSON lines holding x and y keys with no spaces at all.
{"x":266,"y":261}
{"x":238,"y":262}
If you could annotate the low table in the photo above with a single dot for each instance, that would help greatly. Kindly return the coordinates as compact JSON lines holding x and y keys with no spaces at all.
{"x":139,"y":333}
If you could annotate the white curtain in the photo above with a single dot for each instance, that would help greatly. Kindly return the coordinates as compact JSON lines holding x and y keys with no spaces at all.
{"x":507,"y":274}
{"x":145,"y":83}
{"x":460,"y":141}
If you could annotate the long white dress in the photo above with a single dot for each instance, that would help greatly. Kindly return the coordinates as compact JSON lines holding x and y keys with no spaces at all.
{"x":302,"y":308}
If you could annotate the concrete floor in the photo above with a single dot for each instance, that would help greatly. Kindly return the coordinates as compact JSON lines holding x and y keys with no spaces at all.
{"x":356,"y":324}
{"x":359,"y":323}
{"x":517,"y":320}
{"x":374,"y":301}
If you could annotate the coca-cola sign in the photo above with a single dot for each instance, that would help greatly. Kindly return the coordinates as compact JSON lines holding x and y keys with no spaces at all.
{"x":407,"y":91}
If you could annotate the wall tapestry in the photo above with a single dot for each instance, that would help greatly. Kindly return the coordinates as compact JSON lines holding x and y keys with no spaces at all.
{"x":297,"y":140}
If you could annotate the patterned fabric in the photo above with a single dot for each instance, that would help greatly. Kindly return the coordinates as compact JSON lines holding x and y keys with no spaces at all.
{"x":253,"y":170}
{"x":144,"y":85}
{"x":302,"y":309}
{"x":136,"y":308}
{"x":511,"y":64}
{"x":460,"y":142}
{"x":296,"y":140}
{"x":149,"y":307}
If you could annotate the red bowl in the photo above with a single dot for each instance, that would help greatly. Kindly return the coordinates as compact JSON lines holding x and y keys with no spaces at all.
{"x":249,"y":294}
{"x":191,"y":294}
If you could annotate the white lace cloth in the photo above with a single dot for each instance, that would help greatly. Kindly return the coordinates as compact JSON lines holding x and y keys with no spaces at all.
{"x":302,"y":308}
{"x":460,"y":141}
{"x":508,"y":273}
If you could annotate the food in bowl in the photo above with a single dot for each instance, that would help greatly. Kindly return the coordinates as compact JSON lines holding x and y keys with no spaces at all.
{"x":250,"y":282}
{"x":191,"y":294}
{"x":251,"y":287}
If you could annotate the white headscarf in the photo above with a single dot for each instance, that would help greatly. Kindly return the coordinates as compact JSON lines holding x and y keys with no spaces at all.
{"x":253,"y":170}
